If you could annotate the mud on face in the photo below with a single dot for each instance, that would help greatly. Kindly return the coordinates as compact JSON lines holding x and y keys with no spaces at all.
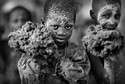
{"x":109,"y":16}
{"x":61,"y":27}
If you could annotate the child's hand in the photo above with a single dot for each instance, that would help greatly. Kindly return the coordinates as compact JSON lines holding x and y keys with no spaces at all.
{"x":69,"y":70}
{"x":79,"y":56}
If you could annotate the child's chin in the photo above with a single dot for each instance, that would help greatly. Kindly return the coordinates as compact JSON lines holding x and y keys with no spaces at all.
{"x":60,"y":43}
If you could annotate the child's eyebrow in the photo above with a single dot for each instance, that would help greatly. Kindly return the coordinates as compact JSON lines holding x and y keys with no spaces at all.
{"x":107,"y":12}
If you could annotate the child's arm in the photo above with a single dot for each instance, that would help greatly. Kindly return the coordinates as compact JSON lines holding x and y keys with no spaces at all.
{"x":83,"y":61}
{"x":98,"y":70}
{"x":119,"y":69}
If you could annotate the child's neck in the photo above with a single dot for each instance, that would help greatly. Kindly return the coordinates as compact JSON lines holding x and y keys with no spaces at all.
{"x":62,"y":46}
{"x":62,"y":49}
{"x":96,"y":23}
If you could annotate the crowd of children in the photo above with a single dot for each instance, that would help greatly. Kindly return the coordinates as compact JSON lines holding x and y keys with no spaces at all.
{"x":60,"y":18}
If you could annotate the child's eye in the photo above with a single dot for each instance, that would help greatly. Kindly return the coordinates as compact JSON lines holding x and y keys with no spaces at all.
{"x":68,"y":27}
{"x":107,"y":16}
{"x":55,"y":27}
{"x":117,"y":16}
{"x":15,"y":21}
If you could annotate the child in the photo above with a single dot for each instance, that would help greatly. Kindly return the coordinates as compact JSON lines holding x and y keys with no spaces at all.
{"x":18,"y":16}
{"x":106,"y":13}
{"x":59,"y":19}
{"x":15,"y":19}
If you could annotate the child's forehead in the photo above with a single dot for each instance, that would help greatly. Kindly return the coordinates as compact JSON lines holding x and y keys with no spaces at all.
{"x":61,"y":10}
{"x":19,"y":11}
{"x":60,"y":19}
{"x":61,"y":15}
{"x":99,"y":4}
{"x":61,"y":5}
{"x":110,"y":6}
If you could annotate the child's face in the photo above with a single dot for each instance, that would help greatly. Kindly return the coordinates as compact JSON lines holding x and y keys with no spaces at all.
{"x":109,"y":16}
{"x":17,"y":19}
{"x":61,"y":27}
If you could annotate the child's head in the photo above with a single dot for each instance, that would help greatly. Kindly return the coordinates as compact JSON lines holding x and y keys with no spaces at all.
{"x":18,"y":16}
{"x":106,"y":13}
{"x":59,"y":16}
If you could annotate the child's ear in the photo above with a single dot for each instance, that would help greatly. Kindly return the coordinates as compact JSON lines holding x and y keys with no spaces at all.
{"x":92,"y":14}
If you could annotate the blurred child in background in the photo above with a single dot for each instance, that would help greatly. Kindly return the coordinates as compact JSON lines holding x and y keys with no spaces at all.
{"x":16,"y":17}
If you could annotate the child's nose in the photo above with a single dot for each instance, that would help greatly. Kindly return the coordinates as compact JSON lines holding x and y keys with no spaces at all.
{"x":112,"y":21}
{"x":20,"y":24}
{"x":61,"y":31}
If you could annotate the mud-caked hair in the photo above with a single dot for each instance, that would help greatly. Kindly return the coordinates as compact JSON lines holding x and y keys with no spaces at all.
{"x":98,"y":4}
{"x":63,"y":7}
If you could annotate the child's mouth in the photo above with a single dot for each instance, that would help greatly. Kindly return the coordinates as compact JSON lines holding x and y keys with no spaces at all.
{"x":60,"y":40}
{"x":111,"y":27}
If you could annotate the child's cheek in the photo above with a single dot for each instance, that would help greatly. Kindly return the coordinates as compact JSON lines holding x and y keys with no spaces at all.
{"x":69,"y":33}
{"x":111,"y":23}
{"x":102,"y":21}
{"x":54,"y":33}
